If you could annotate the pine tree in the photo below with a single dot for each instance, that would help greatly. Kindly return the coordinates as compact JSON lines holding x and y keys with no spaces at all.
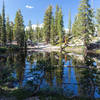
{"x":25,"y":39}
{"x":98,"y":20}
{"x":11,"y":35}
{"x":30,"y":31}
{"x":60,"y":27}
{"x":69,"y":23}
{"x":38,"y":33}
{"x":47,"y":23}
{"x":76,"y":28}
{"x":27,"y":34}
{"x":8,"y":28}
{"x":3,"y":26}
{"x":19,"y":29}
{"x":52,"y":31}
{"x":0,"y":29}
{"x":56,"y":23}
{"x":85,"y":17}
{"x":41,"y":34}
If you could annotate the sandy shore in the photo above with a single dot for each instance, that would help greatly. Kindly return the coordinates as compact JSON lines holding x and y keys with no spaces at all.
{"x":44,"y":47}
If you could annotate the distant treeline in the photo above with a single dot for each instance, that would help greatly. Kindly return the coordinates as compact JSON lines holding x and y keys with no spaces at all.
{"x":85,"y":26}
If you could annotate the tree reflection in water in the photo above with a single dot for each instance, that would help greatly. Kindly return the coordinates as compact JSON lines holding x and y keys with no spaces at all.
{"x":6,"y":70}
{"x":44,"y":70}
{"x":53,"y":72}
{"x":20,"y":67}
{"x":88,"y":78}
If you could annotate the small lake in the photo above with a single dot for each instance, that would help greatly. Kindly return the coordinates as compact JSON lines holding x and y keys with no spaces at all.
{"x":68,"y":74}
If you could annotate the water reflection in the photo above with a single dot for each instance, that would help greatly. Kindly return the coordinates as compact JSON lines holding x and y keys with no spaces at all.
{"x":53,"y":71}
{"x":88,"y":78}
{"x":20,"y":67}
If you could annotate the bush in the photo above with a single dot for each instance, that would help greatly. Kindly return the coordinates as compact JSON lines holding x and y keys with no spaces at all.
{"x":14,"y":47}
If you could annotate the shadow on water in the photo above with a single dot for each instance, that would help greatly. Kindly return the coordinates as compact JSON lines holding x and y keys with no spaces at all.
{"x":50,"y":74}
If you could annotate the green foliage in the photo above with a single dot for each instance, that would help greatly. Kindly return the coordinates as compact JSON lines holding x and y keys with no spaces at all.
{"x":15,"y":47}
{"x":60,"y":27}
{"x":21,"y":94}
{"x":41,"y":36}
{"x":56,"y":22}
{"x":3,"y":49}
{"x":4,"y":37}
{"x":69,"y":23}
{"x":76,"y":27}
{"x":9,"y":30}
{"x":85,"y":15}
{"x":0,"y":28}
{"x":11,"y":34}
{"x":83,"y":24}
{"x":47,"y":23}
{"x":30,"y":31}
{"x":19,"y":29}
{"x":53,"y":26}
{"x":52,"y":31}
{"x":98,"y":20}
{"x":38,"y":33}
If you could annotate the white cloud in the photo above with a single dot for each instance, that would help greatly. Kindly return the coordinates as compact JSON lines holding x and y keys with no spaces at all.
{"x":28,"y":6}
{"x":34,"y":26}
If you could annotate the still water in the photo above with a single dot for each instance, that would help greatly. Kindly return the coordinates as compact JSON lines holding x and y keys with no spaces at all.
{"x":67,"y":74}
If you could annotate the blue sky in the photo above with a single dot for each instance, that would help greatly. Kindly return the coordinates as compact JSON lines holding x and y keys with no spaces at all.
{"x":34,"y":9}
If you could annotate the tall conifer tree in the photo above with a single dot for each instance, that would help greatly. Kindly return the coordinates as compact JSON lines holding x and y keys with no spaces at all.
{"x":30,"y":31}
{"x":37,"y":33}
{"x":98,"y":21}
{"x":56,"y":22}
{"x":85,"y":17}
{"x":52,"y":31}
{"x":47,"y":24}
{"x":4,"y":37}
{"x":76,"y":28}
{"x":69,"y":23}
{"x":12,"y":33}
{"x":19,"y":29}
{"x":8,"y":28}
{"x":0,"y":29}
{"x":60,"y":27}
